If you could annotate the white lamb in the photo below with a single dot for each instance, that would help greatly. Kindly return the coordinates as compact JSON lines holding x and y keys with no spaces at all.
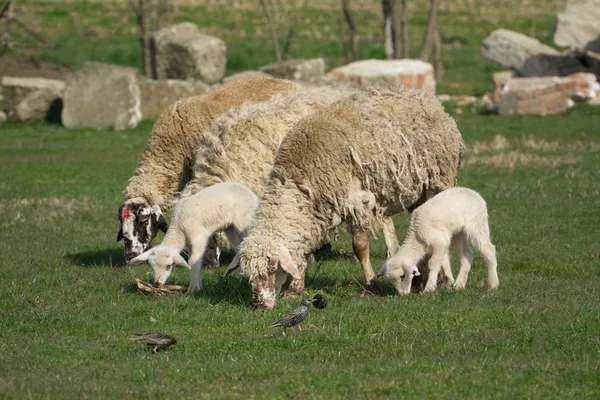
{"x":454,"y":216}
{"x":227,"y":207}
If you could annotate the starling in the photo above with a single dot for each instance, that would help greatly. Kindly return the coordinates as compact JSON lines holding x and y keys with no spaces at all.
{"x":319,"y":301}
{"x":156,"y":340}
{"x":295,"y":317}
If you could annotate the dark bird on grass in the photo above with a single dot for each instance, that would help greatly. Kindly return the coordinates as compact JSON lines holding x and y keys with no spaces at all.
{"x":156,"y":340}
{"x":319,"y":301}
{"x":295,"y":317}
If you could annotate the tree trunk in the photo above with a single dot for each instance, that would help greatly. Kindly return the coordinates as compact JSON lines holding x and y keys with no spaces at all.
{"x":388,"y":30}
{"x":397,"y":29}
{"x":429,"y":39}
{"x":404,"y":25}
{"x":271,"y":23}
{"x":352,"y":27}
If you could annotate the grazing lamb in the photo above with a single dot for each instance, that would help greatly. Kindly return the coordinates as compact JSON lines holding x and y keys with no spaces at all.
{"x":227,"y":207}
{"x":372,"y":154}
{"x":455,"y":216}
{"x":167,"y":163}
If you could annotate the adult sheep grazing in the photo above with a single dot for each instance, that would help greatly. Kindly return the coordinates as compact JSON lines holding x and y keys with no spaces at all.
{"x":372,"y":154}
{"x":167,"y":163}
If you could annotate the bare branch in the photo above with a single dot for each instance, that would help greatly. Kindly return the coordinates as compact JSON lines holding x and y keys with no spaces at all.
{"x":269,"y":16}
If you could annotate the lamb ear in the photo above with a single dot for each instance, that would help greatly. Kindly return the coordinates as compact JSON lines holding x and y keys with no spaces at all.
{"x":287,"y":264}
{"x":120,"y":235}
{"x":416,"y":271}
{"x":233,"y":265}
{"x":383,"y":270}
{"x":177,"y":259}
{"x":142,"y":257}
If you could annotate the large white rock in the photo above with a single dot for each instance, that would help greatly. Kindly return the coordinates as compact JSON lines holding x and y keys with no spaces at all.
{"x":308,"y":70}
{"x":512,"y":49}
{"x":182,"y":52}
{"x":360,"y":74}
{"x":32,"y":98}
{"x":158,"y":95}
{"x":578,"y":27}
{"x":102,"y":96}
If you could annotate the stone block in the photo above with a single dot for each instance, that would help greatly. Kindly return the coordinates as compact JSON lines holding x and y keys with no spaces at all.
{"x":578,"y":26}
{"x":158,"y":95}
{"x":32,"y":98}
{"x":102,"y":96}
{"x":309,"y":70}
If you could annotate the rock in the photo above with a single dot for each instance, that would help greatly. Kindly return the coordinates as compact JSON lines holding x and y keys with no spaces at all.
{"x":244,"y":74}
{"x":182,"y":52}
{"x":501,"y":77}
{"x":578,"y":27}
{"x":102,"y":96}
{"x":594,"y":101}
{"x":309,"y":70}
{"x":365,"y":73}
{"x":544,"y":95}
{"x":592,"y":61}
{"x":158,"y":95}
{"x":511,"y":49}
{"x":552,"y":65}
{"x":2,"y":117}
{"x":32,"y":98}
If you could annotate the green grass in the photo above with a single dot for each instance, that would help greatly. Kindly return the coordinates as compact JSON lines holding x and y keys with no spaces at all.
{"x":69,"y":304}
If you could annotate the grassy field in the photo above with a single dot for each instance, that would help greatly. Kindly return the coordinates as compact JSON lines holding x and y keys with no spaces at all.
{"x":69,"y":303}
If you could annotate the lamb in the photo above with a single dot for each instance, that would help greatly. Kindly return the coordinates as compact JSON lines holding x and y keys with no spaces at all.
{"x":227,"y":207}
{"x":368,"y":156}
{"x":167,"y":163}
{"x":455,"y":216}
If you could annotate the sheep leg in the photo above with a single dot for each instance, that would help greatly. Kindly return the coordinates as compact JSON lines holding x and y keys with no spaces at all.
{"x":211,"y":256}
{"x":389,"y":235}
{"x":488,"y":251}
{"x":296,"y":287}
{"x":360,"y":245}
{"x":435,"y":264}
{"x":195,"y":262}
{"x":465,"y":255}
{"x":447,"y":270}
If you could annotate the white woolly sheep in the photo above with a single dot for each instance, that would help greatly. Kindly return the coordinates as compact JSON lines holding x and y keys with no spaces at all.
{"x":455,"y":216}
{"x":227,"y":207}
{"x":373,"y":154}
{"x":167,"y":163}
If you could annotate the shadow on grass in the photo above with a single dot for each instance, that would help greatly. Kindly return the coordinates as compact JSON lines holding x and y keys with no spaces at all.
{"x":113,"y":257}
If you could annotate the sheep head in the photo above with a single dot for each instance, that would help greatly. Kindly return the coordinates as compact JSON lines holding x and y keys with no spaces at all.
{"x":162,"y":260}
{"x":267,"y":285}
{"x":400,"y":272}
{"x":140,"y":223}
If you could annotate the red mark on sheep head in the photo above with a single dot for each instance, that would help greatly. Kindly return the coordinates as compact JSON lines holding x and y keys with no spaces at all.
{"x":125,"y":213}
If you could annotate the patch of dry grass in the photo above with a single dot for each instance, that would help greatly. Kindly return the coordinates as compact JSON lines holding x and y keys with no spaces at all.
{"x":527,"y":152}
{"x":41,"y":211}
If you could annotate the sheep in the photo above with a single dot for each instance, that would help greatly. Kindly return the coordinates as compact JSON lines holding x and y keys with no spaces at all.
{"x":166,"y":165}
{"x":370,"y":155}
{"x":227,"y":207}
{"x":455,"y":216}
{"x":242,"y":143}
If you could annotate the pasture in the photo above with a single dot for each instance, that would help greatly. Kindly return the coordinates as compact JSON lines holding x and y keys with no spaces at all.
{"x":68,"y":302}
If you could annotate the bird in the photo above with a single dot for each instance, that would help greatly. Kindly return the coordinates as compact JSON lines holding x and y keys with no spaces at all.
{"x":156,"y":340}
{"x":295,"y":317}
{"x":319,"y":301}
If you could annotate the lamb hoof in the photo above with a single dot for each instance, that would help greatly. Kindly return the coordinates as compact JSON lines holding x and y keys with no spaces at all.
{"x":372,"y":287}
{"x":194,"y":289}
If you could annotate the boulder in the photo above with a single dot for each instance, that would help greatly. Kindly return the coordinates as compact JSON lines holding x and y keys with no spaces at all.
{"x":578,"y":27}
{"x":544,"y":95}
{"x":244,"y":74}
{"x":512,"y":49}
{"x":2,"y":117}
{"x":309,"y":70}
{"x":102,"y":96}
{"x":158,"y":95}
{"x":552,"y":65}
{"x":360,"y":74}
{"x":182,"y":52}
{"x":32,"y":98}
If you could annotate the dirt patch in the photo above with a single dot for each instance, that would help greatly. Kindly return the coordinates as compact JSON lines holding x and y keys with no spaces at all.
{"x":29,"y":67}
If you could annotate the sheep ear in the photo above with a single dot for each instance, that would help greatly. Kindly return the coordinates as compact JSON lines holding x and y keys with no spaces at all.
{"x":233,"y":265}
{"x":383,"y":270}
{"x":177,"y":259}
{"x":162,"y":223}
{"x":287,"y":264}
{"x":120,"y":235}
{"x":142,"y":257}
{"x":416,"y":271}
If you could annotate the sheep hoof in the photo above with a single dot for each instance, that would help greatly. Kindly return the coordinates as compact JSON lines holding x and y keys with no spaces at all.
{"x":372,"y":287}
